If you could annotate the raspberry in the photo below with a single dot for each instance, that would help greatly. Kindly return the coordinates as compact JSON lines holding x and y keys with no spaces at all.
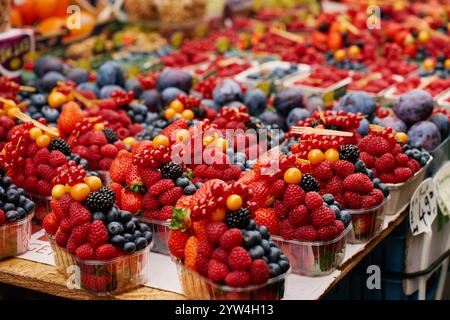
{"x":306,"y":233}
{"x":278,"y":188}
{"x":108,"y":151}
{"x":286,"y":230}
{"x":259,"y":272}
{"x":324,"y":171}
{"x":78,"y":215}
{"x":374,"y":145}
{"x":213,"y":173}
{"x":367,"y":201}
{"x":165,"y":213}
{"x":334,"y":185}
{"x":358,"y":182}
{"x":401,"y":160}
{"x":239,"y":259}
{"x":220,"y":255}
{"x":413,"y":165}
{"x":397,"y":149}
{"x":105,"y":164}
{"x":150,"y":202}
{"x":232,"y":173}
{"x":61,"y":238}
{"x":280,"y":209}
{"x":46,"y":172}
{"x":299,"y":216}
{"x":80,"y":233}
{"x":97,"y":138}
{"x":149,"y":176}
{"x":170,"y":197}
{"x":378,"y":195}
{"x":98,"y":234}
{"x":343,"y":168}
{"x":161,"y":186}
{"x":54,"y":205}
{"x":71,"y":246}
{"x":230,"y":239}
{"x":322,"y":216}
{"x":2,"y":217}
{"x":368,"y":160}
{"x":106,"y":252}
{"x":202,"y":264}
{"x":65,"y":226}
{"x":313,"y":200}
{"x":30,"y":168}
{"x":214,"y":231}
{"x":238,"y":279}
{"x":151,"y":214}
{"x":353,"y":200}
{"x":385,"y":164}
{"x":32,"y":150}
{"x":402,"y":174}
{"x":339,"y":226}
{"x":65,"y":202}
{"x":387,"y":178}
{"x":339,"y":198}
{"x":44,"y":188}
{"x":41,"y":157}
{"x":56,"y":159}
{"x":93,"y":154}
{"x":293,"y":196}
{"x":328,"y":232}
{"x":85,"y":252}
{"x":217,"y":271}
{"x":200,"y":170}
{"x":31,"y":184}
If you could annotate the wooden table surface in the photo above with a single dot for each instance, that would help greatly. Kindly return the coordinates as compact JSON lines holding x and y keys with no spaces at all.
{"x":45,"y":278}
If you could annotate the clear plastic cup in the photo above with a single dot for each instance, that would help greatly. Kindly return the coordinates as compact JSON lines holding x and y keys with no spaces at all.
{"x":63,"y":259}
{"x":197,"y":287}
{"x":42,"y":206}
{"x":160,"y":231}
{"x":14,"y":237}
{"x":316,"y":258}
{"x":367,"y":223}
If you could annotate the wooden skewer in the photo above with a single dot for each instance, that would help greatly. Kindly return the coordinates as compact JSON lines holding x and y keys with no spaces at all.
{"x":363,"y":81}
{"x":88,"y":103}
{"x":25,"y":118}
{"x":347,"y":24}
{"x":323,"y":132}
{"x":427,"y":82}
{"x":27,"y":88}
{"x":287,"y":35}
{"x":302,"y":161}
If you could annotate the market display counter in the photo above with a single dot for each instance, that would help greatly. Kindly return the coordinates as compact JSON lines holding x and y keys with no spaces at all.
{"x":45,"y":278}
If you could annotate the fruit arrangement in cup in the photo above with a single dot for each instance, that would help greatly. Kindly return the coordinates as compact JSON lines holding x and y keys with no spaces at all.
{"x":371,"y":82}
{"x":276,"y":73}
{"x":213,"y":235}
{"x":435,"y":87}
{"x":323,"y":77}
{"x":223,"y":67}
{"x":16,"y":204}
{"x":6,"y":124}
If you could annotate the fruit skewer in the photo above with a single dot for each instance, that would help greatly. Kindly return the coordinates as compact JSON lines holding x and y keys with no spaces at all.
{"x":324,"y":132}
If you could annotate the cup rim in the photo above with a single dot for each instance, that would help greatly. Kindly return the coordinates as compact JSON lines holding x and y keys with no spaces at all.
{"x":341,"y":236}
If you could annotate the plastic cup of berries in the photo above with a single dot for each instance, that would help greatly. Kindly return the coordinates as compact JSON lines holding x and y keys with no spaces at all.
{"x":62,"y":258}
{"x":14,"y":237}
{"x":160,"y":230}
{"x":315,"y":258}
{"x":367,"y":223}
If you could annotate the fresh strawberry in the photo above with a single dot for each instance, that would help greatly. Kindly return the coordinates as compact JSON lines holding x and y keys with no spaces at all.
{"x":149,"y":176}
{"x":118,"y":191}
{"x":165,"y":213}
{"x":71,"y":113}
{"x":239,"y":259}
{"x":217,"y":271}
{"x":98,"y":234}
{"x":261,"y":192}
{"x":259,"y":272}
{"x":106,"y":252}
{"x":131,"y":201}
{"x":50,"y":223}
{"x":171,"y":129}
{"x":190,"y":253}
{"x":132,"y":178}
{"x":177,"y":243}
{"x":293,"y":196}
{"x":267,"y":217}
{"x":119,"y":166}
{"x":231,"y":238}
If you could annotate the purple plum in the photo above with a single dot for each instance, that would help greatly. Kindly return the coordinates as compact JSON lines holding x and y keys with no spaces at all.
{"x":414,"y":106}
{"x":288,"y":99}
{"x":172,"y":77}
{"x":392,"y":122}
{"x":425,"y":134}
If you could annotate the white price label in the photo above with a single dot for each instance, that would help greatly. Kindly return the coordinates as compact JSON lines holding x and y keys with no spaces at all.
{"x":442,"y":182}
{"x":423,"y":207}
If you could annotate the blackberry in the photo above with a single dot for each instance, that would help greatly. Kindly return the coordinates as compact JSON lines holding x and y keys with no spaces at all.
{"x":349,"y":152}
{"x":238,"y":219}
{"x":60,"y":145}
{"x":101,"y":201}
{"x":316,"y":123}
{"x":309,"y":183}
{"x":199,"y":113}
{"x":171,"y":170}
{"x":111,"y":135}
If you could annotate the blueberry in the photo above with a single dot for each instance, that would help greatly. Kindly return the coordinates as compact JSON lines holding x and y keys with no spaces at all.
{"x":22,"y":213}
{"x":38,"y":100}
{"x":385,"y":189}
{"x":12,"y":196}
{"x":182,"y":182}
{"x":141,"y":243}
{"x":422,"y":161}
{"x":369,"y":173}
{"x":256,"y":252}
{"x":29,"y":206}
{"x":257,"y":235}
{"x":130,"y":227}
{"x":125,"y":216}
{"x":8,"y":207}
{"x":21,"y":191}
{"x":275,"y":270}
{"x":143,"y":227}
{"x":249,"y":238}
{"x":360,"y":166}
{"x":283,"y":257}
{"x":265,"y":234}
{"x":137,"y":234}
{"x":138,"y":118}
{"x":6,"y":181}
{"x":115,"y":228}
{"x":50,"y":80}
{"x":189,"y":190}
{"x":336,"y":210}
{"x":112,"y":215}
{"x":98,"y":216}
{"x":22,"y":200}
{"x":265,"y":259}
{"x":118,"y":240}
{"x":129,"y":247}
{"x":148,"y":236}
{"x":284,"y":265}
{"x":12,"y":215}
{"x":328,"y":198}
{"x":198,"y":184}
{"x":251,"y":225}
{"x":345,"y":217}
{"x":376,"y":182}
{"x":128,"y":237}
{"x":274,"y":254}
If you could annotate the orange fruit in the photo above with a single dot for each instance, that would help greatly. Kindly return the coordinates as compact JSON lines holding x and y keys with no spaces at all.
{"x":234,"y":202}
{"x":170,"y":113}
{"x":428,"y":64}
{"x":51,"y":8}
{"x":339,"y":55}
{"x":71,"y":113}
{"x":292,"y":175}
{"x":35,"y":133}
{"x":80,"y":192}
{"x":56,"y":99}
{"x":176,"y":105}
{"x":187,"y":114}
{"x":161,"y":140}
{"x":316,"y":156}
{"x":87,"y":25}
{"x":43,"y":141}
{"x":423,"y":36}
{"x":94,"y":183}
{"x":51,"y":25}
{"x":354,"y":51}
{"x":58,"y":191}
{"x":331,"y":155}
{"x":334,"y":41}
{"x":447,"y":63}
{"x":27,"y":11}
{"x":402,"y":137}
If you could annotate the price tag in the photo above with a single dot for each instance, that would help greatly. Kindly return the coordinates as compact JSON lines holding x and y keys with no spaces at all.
{"x":423,"y":207}
{"x":442,"y":183}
